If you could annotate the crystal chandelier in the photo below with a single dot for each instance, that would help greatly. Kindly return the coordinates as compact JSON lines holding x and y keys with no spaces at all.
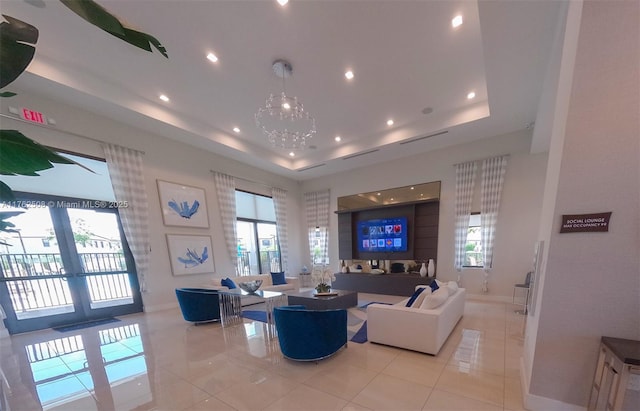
{"x":283,"y":118}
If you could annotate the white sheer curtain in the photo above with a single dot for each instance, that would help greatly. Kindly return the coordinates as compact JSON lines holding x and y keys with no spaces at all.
{"x":317,"y":213}
{"x":465,"y":180}
{"x":226,"y":191}
{"x":280,"y":204}
{"x":493,"y":171}
{"x":127,"y":179}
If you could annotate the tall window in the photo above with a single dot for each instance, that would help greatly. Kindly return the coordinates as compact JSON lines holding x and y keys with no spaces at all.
{"x":256,"y":230}
{"x":317,"y":214}
{"x":473,"y":246}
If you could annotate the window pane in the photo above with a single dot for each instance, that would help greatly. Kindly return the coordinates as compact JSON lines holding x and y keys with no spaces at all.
{"x":245,"y":206}
{"x":254,"y":207}
{"x":247,"y":255}
{"x":268,"y":245}
{"x":473,"y":247}
{"x":266,"y":210}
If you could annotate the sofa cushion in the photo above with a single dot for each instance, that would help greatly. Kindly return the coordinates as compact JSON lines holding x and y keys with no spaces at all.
{"x":280,"y":288}
{"x":414,"y":297}
{"x":452,"y":286}
{"x":434,"y":285}
{"x":278,"y":278}
{"x":435,"y":299}
{"x":228,"y":282}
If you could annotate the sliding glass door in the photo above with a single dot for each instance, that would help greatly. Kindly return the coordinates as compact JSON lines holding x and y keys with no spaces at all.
{"x":65,"y":262}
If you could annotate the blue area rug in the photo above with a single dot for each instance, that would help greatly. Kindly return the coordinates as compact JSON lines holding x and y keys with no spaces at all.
{"x":255,"y":315}
{"x":79,"y":326}
{"x":360,"y":337}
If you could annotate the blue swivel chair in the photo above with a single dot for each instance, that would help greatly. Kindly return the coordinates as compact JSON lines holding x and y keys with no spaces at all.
{"x":310,"y":335}
{"x":199,"y":305}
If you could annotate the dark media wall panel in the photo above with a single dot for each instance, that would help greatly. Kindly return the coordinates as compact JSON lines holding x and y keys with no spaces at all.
{"x":422,"y":223}
{"x":426,"y":231}
{"x":345,"y":250}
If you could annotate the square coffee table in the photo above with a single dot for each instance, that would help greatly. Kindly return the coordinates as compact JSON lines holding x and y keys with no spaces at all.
{"x":342,"y":299}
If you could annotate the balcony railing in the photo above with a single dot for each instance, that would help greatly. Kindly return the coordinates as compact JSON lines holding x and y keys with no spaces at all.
{"x":37,"y":283}
{"x":269,"y":260}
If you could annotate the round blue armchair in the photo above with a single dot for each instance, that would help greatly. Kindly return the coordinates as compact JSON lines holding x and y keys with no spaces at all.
{"x":199,"y":305}
{"x":310,"y":335}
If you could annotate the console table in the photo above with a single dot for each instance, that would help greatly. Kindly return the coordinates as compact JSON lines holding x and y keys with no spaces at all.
{"x":390,"y":284}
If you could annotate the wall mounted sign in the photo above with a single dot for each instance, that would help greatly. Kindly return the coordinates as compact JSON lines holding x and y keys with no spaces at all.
{"x":579,"y":223}
{"x":33,"y":116}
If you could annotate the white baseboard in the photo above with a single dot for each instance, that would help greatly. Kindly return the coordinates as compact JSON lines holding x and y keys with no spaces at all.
{"x":534,"y":402}
{"x":491,"y":298}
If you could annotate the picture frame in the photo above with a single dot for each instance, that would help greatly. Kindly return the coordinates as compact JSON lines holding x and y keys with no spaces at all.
{"x":190,"y":254}
{"x":182,"y":205}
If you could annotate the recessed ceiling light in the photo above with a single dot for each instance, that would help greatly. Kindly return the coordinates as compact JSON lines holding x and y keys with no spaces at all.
{"x":389,"y":122}
{"x":456,"y":21}
{"x":292,"y":154}
{"x":349,"y":75}
{"x":236,"y":129}
{"x":212,"y":57}
{"x":471,"y":95}
{"x":413,"y":188}
{"x":379,"y":193}
{"x":164,"y":98}
{"x":338,"y":138}
{"x":283,"y":2}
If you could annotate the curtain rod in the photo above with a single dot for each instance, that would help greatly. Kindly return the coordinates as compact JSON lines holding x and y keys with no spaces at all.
{"x":47,"y":127}
{"x":247,"y":180}
{"x":482,"y":159}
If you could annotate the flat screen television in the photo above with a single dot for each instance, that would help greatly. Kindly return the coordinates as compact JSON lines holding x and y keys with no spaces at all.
{"x":382,"y":235}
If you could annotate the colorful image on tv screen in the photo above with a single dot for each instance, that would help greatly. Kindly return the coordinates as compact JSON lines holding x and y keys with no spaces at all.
{"x":382,"y":235}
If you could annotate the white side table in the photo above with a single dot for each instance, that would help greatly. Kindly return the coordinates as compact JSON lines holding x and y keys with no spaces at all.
{"x":231,"y":307}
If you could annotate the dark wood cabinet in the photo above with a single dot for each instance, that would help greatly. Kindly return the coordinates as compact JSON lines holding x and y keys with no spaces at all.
{"x":388,"y":284}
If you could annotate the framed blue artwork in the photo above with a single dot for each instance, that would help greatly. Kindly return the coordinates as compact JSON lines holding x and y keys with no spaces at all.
{"x":182,"y":205}
{"x":190,"y":254}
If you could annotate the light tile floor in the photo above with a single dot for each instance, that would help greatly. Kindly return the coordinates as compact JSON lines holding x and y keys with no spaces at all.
{"x":158,"y":361}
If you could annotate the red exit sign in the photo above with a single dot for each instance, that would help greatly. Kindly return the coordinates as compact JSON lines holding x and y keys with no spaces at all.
{"x":33,"y":116}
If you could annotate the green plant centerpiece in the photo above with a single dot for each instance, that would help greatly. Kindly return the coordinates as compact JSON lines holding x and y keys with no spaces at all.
{"x":322,"y":276}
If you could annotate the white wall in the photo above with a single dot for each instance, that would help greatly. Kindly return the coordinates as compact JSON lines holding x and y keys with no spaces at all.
{"x":519,"y":212}
{"x":591,"y":281}
{"x":166,"y":160}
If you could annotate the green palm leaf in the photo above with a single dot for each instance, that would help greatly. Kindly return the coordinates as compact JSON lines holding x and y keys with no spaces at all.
{"x":20,"y":155}
{"x":16,"y":50}
{"x":101,"y":18}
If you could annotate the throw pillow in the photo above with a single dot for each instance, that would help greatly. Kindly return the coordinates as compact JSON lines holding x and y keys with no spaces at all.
{"x":452,"y":286}
{"x":414,"y":297}
{"x":434,"y":285}
{"x":278,"y":278}
{"x":418,"y":302}
{"x":228,"y":282}
{"x":435,"y":299}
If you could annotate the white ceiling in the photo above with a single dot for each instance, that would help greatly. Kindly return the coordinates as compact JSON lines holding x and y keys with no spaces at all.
{"x":405,"y":55}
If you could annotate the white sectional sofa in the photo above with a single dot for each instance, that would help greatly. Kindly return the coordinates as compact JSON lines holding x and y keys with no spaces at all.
{"x":417,"y":329}
{"x":292,"y":284}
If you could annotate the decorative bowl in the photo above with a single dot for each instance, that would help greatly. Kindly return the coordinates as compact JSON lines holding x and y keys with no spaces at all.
{"x":250,"y":286}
